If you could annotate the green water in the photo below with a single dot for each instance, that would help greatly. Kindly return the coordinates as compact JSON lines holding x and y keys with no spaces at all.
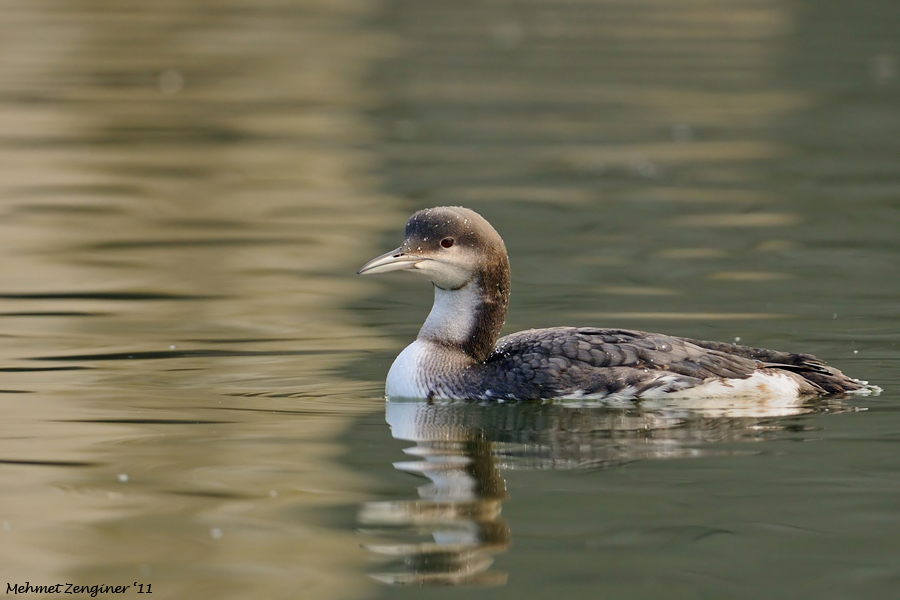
{"x":191,"y":372}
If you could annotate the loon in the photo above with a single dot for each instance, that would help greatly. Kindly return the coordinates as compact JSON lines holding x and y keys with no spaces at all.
{"x":457,"y":354}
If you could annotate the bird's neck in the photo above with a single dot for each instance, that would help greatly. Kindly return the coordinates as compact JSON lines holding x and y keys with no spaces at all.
{"x":470,"y":318}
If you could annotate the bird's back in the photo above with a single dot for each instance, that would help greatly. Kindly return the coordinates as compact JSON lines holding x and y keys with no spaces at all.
{"x":619,"y":363}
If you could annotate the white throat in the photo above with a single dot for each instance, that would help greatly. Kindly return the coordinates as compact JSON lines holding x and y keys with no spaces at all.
{"x":453,"y":315}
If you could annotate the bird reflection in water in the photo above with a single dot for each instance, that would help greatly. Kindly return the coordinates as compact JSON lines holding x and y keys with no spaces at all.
{"x":459,"y":510}
{"x":450,"y":533}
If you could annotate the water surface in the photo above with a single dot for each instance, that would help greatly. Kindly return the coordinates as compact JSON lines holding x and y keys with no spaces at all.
{"x":191,"y":373}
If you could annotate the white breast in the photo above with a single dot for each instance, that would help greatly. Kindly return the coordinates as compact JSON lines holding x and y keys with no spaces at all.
{"x":403,"y":380}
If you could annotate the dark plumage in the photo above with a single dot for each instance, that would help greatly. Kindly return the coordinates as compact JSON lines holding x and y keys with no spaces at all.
{"x":457,"y":354}
{"x":554,"y":362}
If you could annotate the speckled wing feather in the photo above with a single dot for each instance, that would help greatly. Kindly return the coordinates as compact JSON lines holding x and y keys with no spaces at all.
{"x":569,"y":361}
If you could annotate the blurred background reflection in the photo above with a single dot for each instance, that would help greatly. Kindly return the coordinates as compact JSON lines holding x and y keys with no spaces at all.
{"x":191,"y":373}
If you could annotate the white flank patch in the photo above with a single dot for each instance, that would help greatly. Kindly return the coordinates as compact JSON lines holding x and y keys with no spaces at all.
{"x":403,"y":378}
{"x":766,"y":385}
{"x":760,"y":395}
{"x":759,"y":385}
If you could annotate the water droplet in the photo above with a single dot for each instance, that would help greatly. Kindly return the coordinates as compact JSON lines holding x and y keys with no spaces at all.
{"x":645,"y":168}
{"x":170,"y":82}
{"x":884,"y":68}
{"x":405,"y":130}
{"x":681,"y":132}
{"x":508,"y":35}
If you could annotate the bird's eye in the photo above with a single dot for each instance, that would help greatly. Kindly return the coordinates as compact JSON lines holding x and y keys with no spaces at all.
{"x":447,"y":242}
